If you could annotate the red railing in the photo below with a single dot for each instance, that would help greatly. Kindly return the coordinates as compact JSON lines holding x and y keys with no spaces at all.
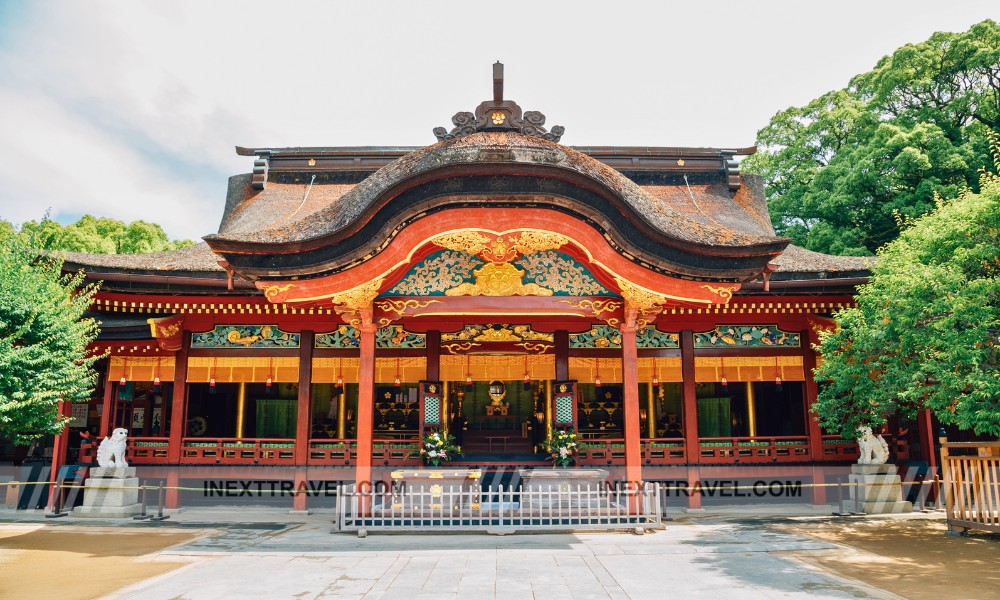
{"x":754,"y":449}
{"x":148,"y":450}
{"x":338,"y":452}
{"x":398,"y":452}
{"x":663,"y":451}
{"x":237,"y":451}
{"x":838,"y":448}
{"x":605,"y":452}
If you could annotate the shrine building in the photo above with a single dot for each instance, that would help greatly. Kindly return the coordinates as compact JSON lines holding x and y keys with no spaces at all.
{"x":493,"y":285}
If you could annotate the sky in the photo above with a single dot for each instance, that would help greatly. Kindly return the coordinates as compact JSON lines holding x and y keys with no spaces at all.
{"x":131,"y":109}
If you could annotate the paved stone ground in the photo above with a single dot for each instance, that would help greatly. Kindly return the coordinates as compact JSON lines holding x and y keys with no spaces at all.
{"x":303,"y":560}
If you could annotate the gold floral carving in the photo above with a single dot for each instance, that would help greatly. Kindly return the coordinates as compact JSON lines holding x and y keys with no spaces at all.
{"x":472,"y":242}
{"x":498,"y":279}
{"x":456,"y":347}
{"x":526,"y":333}
{"x":355,"y":305}
{"x":639,"y":302}
{"x":168,"y":331}
{"x":497,"y":335}
{"x":641,"y":298}
{"x":504,"y":247}
{"x":534,"y":240}
{"x":597,"y":306}
{"x":273,"y":290}
{"x":722,"y":292}
{"x":398,"y":306}
{"x":536,"y":347}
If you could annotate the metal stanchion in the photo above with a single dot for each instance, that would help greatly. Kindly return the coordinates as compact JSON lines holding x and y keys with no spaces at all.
{"x":159,"y":512}
{"x":840,"y":500}
{"x":56,"y":503}
{"x":142,"y":514}
{"x":857,"y":500}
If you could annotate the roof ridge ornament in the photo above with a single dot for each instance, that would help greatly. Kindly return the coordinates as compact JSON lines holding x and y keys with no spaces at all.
{"x":499,"y":115}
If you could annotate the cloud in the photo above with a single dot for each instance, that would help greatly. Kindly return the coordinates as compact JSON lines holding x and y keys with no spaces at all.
{"x":50,"y":159}
{"x":131,"y":109}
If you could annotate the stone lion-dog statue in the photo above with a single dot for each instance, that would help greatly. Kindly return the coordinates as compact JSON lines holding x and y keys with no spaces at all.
{"x":872,"y":448}
{"x":111,"y":452}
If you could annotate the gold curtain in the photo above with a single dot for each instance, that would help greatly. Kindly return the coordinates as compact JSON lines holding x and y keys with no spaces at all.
{"x":411,"y":369}
{"x":505,"y":367}
{"x":243,"y":369}
{"x":141,"y":368}
{"x":748,"y":368}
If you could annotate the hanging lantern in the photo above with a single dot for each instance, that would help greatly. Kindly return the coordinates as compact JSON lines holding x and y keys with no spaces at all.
{"x":468,"y":374}
{"x":156,"y":377}
{"x":124,"y":370}
{"x":597,"y":378}
{"x":270,"y":379}
{"x":527,"y":375}
{"x":396,"y":382}
{"x":777,"y":375}
{"x":724,"y":381}
{"x":211,"y":379}
{"x":656,"y":378}
{"x":340,"y":376}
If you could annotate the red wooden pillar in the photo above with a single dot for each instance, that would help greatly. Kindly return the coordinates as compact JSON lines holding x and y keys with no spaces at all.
{"x":434,"y":356}
{"x":59,"y":448}
{"x":811,"y":392}
{"x":692,"y":449}
{"x":171,"y":495}
{"x":178,"y":422}
{"x":366,"y":406}
{"x":925,"y":428}
{"x":107,"y":407}
{"x":630,"y":393}
{"x":561,"y":340}
{"x":303,"y":413}
{"x":303,"y":420}
{"x":178,"y":402}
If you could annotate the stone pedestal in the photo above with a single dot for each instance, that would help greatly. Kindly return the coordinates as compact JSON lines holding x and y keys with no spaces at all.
{"x":110,"y":493}
{"x":564,"y":488}
{"x":878,"y":488}
{"x":438,"y":492}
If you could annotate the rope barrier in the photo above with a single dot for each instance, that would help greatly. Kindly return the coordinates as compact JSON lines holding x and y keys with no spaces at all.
{"x":689,"y":488}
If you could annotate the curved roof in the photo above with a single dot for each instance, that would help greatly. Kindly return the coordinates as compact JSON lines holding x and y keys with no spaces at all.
{"x":307,"y":226}
{"x":198,"y":258}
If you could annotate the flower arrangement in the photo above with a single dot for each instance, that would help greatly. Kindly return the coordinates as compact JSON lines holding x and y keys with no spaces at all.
{"x":562,"y":447}
{"x":438,"y":448}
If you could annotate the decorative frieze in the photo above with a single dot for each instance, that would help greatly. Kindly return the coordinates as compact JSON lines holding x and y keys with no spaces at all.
{"x":746,"y":336}
{"x":245,"y":336}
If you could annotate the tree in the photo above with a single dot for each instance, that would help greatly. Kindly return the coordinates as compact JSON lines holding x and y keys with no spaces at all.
{"x":841,"y":170}
{"x":43,"y":340}
{"x":100,"y":236}
{"x":926,"y":329}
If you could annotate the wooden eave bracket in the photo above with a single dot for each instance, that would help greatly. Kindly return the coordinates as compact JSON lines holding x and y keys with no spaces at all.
{"x":766,"y":275}
{"x":168,"y":332}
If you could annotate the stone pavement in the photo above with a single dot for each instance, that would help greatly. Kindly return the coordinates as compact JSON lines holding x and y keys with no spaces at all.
{"x":302,"y":559}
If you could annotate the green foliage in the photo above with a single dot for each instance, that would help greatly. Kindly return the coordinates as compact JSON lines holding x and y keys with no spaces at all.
{"x":562,"y":447}
{"x":841,"y":169}
{"x":438,"y":448}
{"x":100,"y":236}
{"x":43,"y":340}
{"x":926,"y":330}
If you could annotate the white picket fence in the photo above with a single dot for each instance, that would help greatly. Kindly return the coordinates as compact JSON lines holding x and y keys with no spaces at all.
{"x":498,"y":510}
